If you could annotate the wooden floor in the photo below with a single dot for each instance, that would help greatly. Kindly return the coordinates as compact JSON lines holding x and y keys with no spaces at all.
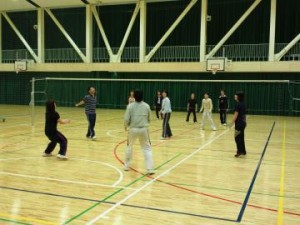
{"x":198,"y":180}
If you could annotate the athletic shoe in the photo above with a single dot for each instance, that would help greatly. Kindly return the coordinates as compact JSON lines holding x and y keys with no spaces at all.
{"x":94,"y":138}
{"x":214,"y":129}
{"x":224,"y":124}
{"x":61,"y":156}
{"x":47,"y":154}
{"x":237,"y":155}
{"x":162,"y":138}
{"x":150,"y":172}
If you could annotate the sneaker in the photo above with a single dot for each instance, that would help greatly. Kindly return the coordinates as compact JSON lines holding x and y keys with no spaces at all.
{"x":61,"y":156}
{"x":47,"y":154}
{"x":224,"y":124}
{"x":162,"y":138}
{"x":214,"y":129}
{"x":150,"y":172}
{"x":94,"y":138}
{"x":126,"y":168}
{"x":237,"y":155}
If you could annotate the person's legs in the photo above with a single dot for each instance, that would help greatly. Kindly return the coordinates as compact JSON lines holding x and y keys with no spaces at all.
{"x":166,"y":126}
{"x":92,"y":124}
{"x":63,"y":142}
{"x":221,"y":116}
{"x":146,"y":148}
{"x":157,"y":109}
{"x":195,"y":116}
{"x":188,"y":115}
{"x":239,"y":140}
{"x":51,"y":146}
{"x":203,"y":119}
{"x":209,"y":116}
{"x":128,"y":151}
{"x":88,"y":134}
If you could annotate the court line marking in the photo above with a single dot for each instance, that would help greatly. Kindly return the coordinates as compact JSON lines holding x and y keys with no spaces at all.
{"x":202,"y":193}
{"x":153,"y":180}
{"x":14,"y":221}
{"x":116,"y":192}
{"x":114,"y":185}
{"x":24,"y":218}
{"x":244,"y":205}
{"x":282,"y":173}
{"x":111,"y":203}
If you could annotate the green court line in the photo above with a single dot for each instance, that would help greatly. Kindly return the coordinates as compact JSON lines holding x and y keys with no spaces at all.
{"x":13,"y":221}
{"x":116,"y":192}
{"x":232,"y":190}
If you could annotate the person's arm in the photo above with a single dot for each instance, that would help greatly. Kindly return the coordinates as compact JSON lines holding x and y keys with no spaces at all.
{"x":79,"y":103}
{"x":201,"y":107}
{"x":235,"y":116}
{"x":63,"y":121}
{"x":188,"y":106}
{"x":127,"y":119}
{"x":210,"y":106}
{"x":196,"y":107}
{"x":227,"y":104}
{"x":162,"y":107}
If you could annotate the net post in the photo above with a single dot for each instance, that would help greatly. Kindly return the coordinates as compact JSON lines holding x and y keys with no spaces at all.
{"x":32,"y":100}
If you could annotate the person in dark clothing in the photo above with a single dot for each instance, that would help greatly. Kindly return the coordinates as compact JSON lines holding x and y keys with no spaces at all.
{"x":223,"y":107}
{"x":52,"y":118}
{"x":157,"y":104}
{"x":239,"y":120}
{"x":192,"y":108}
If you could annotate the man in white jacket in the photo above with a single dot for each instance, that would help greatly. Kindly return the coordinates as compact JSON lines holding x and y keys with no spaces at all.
{"x":207,"y":107}
{"x":136,"y":121}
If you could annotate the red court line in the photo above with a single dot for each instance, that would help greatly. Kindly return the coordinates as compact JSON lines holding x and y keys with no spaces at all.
{"x":197,"y":192}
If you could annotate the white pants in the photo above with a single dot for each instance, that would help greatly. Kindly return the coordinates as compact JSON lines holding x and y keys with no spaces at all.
{"x":208,"y":116}
{"x":143,"y":136}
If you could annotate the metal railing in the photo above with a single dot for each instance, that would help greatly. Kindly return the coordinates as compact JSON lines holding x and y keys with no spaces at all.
{"x":235,"y":52}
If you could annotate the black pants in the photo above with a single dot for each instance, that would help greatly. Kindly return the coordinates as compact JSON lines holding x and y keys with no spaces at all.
{"x":194,"y":114}
{"x":157,"y":109}
{"x":54,"y":139}
{"x":166,"y":126}
{"x":239,"y":137}
{"x":223,"y":115}
{"x":92,"y":121}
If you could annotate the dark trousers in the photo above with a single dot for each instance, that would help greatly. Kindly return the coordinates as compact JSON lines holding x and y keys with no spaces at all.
{"x":223,"y":116}
{"x":54,"y":139}
{"x":157,"y":109}
{"x":239,"y":137}
{"x":92,"y":121}
{"x":194,"y":114}
{"x":166,"y":126}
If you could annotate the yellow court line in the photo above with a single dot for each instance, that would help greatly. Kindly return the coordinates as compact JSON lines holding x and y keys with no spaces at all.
{"x":27,"y":219}
{"x":281,"y":192}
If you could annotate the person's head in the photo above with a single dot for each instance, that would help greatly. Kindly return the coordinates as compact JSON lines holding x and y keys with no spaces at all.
{"x":239,"y":96}
{"x":193,"y":96}
{"x":164,"y":93}
{"x":50,"y":106}
{"x":158,"y":93}
{"x":222,"y":92}
{"x":91,"y":90}
{"x":206,"y":95}
{"x":138,"y":95}
{"x":131,"y":94}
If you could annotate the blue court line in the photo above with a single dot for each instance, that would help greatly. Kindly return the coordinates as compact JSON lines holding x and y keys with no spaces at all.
{"x":244,"y":205}
{"x":125,"y":205}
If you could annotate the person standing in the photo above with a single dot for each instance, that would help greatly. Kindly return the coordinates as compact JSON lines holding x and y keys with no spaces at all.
{"x":136,"y":121}
{"x":239,"y":120}
{"x":192,"y":108}
{"x":207,"y":107}
{"x":166,"y":113}
{"x":223,"y":107}
{"x":52,"y":118}
{"x":131,"y":98}
{"x":157,"y":103}
{"x":90,"y":102}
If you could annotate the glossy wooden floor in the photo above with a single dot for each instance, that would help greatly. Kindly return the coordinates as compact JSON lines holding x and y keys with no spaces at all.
{"x":197,"y":180}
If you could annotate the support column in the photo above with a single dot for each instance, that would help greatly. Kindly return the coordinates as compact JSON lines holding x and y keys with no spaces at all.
{"x":0,"y":38}
{"x":203,"y":32}
{"x":279,"y":55}
{"x":41,"y":35}
{"x":272,"y":30}
{"x":143,"y":30}
{"x":89,"y":34}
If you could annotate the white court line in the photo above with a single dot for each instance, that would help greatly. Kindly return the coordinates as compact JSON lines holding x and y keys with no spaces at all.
{"x":114,"y":185}
{"x":103,"y":214}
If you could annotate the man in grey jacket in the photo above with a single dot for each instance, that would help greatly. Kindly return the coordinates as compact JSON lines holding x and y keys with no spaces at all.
{"x":136,"y":121}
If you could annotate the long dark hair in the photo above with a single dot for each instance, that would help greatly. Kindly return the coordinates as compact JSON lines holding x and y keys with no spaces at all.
{"x":50,"y":106}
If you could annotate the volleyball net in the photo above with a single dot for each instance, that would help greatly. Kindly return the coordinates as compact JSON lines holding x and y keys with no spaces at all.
{"x":263,"y":97}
